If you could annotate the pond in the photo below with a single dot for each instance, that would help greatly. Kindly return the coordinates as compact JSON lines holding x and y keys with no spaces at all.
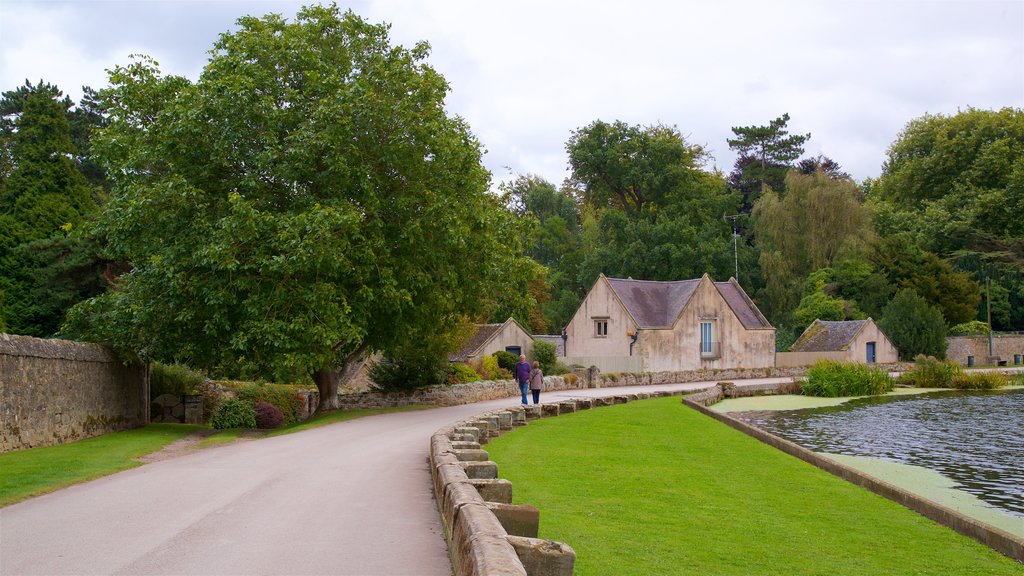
{"x":974,"y":438}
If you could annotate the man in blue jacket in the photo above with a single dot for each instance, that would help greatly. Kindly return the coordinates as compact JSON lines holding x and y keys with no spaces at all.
{"x":522,"y":374}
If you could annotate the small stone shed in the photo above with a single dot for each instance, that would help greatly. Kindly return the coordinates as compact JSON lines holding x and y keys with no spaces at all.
{"x":486,"y":339}
{"x":844,"y":341}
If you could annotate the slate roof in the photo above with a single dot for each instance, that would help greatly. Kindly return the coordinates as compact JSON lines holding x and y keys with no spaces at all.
{"x":656,"y":304}
{"x":653,"y":304}
{"x":828,"y":336}
{"x":482,"y":333}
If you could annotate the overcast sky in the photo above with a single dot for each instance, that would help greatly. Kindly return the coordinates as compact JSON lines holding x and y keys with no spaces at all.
{"x":525,"y":73}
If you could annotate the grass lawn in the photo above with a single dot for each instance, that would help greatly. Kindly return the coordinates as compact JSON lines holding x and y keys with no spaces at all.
{"x":27,"y":473}
{"x":653,"y":487}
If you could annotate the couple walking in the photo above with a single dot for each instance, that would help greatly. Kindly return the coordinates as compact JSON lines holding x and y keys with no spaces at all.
{"x":529,"y":378}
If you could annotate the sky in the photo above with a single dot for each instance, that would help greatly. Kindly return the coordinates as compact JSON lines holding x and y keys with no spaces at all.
{"x":525,"y":74}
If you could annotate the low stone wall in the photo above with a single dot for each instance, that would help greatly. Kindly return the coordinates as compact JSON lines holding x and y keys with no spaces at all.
{"x":1006,"y":347}
{"x":999,"y":540}
{"x":497,"y":389}
{"x":485,"y":532}
{"x":56,"y":391}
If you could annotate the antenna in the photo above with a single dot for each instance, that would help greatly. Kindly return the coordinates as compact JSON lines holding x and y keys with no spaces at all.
{"x":735,"y":235}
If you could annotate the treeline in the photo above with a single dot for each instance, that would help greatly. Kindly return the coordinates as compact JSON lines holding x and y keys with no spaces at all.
{"x":302,"y":205}
{"x":935,"y":242}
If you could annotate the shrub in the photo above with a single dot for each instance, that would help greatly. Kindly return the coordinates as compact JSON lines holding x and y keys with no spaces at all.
{"x":832,"y":379}
{"x":409,"y":372}
{"x":281,"y":396}
{"x":930,"y":372}
{"x":972,"y":328}
{"x":979,"y":380}
{"x":546,"y":354}
{"x":506,"y":359}
{"x":267,"y":415}
{"x":173,"y":379}
{"x":460,"y":373}
{"x":914,"y":326}
{"x":234,"y":414}
{"x":489,"y":368}
{"x":571,"y":379}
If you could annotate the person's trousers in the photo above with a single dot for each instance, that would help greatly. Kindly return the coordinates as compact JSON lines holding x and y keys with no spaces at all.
{"x":536,"y":396}
{"x":523,"y":387}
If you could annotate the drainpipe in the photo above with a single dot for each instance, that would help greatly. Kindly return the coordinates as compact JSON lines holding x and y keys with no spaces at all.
{"x":633,"y":335}
{"x":565,"y":343}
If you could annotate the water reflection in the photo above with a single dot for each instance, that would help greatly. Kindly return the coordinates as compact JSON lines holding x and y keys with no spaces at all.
{"x":974,"y":438}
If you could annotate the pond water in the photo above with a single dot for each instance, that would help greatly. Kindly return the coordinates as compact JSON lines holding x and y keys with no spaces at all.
{"x":974,"y":438}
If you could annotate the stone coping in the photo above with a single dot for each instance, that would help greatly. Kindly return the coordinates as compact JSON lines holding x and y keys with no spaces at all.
{"x":53,"y":348}
{"x":485,"y":532}
{"x":991,"y":536}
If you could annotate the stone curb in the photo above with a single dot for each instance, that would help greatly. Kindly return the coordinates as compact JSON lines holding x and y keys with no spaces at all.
{"x":991,"y":536}
{"x":485,"y":533}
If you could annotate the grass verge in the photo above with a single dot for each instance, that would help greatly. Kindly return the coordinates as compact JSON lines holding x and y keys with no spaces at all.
{"x":654,"y":487}
{"x":27,"y":473}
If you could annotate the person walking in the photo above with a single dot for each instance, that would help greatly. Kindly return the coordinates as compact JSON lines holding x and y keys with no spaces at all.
{"x":536,"y":382}
{"x":522,"y":374}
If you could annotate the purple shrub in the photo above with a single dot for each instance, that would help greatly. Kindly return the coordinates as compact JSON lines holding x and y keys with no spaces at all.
{"x":268,"y":416}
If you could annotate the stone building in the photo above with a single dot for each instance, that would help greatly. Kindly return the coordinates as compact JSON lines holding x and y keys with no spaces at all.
{"x":626,"y":325}
{"x":843,"y":341}
{"x":486,"y":339}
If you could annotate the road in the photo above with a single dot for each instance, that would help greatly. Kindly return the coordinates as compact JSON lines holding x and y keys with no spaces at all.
{"x":352,"y":498}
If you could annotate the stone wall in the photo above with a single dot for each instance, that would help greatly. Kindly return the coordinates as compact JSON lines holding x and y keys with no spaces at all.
{"x":1005,"y":346}
{"x":56,"y":391}
{"x":494,"y":390}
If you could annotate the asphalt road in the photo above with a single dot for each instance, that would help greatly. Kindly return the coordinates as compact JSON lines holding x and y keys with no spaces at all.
{"x":352,"y":498}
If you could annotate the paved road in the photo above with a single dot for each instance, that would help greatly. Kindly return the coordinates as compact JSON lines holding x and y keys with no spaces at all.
{"x":353,"y":498}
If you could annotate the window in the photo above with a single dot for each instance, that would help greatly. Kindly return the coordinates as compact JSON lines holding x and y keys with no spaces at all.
{"x":708,"y":344}
{"x":601,"y":327}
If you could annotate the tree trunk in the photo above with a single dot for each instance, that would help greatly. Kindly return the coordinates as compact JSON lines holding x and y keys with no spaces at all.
{"x":329,"y":379}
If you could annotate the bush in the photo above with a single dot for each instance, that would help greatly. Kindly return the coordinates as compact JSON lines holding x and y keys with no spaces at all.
{"x":489,"y":368}
{"x":979,"y":380}
{"x":571,"y":379}
{"x":831,"y":379}
{"x":914,"y":326}
{"x":267,"y":416}
{"x":930,"y":372}
{"x":546,"y":354}
{"x":173,"y":379}
{"x":234,"y":414}
{"x":972,"y":328}
{"x":461,"y":373}
{"x":409,"y":372}
{"x":281,"y":396}
{"x":506,"y":360}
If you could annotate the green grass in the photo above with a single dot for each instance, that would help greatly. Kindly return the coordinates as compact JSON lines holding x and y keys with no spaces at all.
{"x":27,"y":473}
{"x":654,"y":487}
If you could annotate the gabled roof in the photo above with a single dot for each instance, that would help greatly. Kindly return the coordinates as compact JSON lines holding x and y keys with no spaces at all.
{"x":828,"y":336}
{"x":653,"y":304}
{"x":481,"y":334}
{"x":657,"y":305}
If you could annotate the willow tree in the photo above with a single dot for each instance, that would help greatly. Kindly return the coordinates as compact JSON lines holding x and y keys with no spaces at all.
{"x":818,"y":221}
{"x":306,"y":201}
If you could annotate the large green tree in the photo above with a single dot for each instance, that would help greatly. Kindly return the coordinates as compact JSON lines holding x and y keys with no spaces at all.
{"x":43,"y":197}
{"x":306,"y":201}
{"x":766,"y":153}
{"x":914,"y":326}
{"x":956,"y":185}
{"x":818,"y":222}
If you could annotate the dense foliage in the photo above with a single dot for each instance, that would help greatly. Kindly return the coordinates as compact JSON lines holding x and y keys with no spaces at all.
{"x":838,"y":379}
{"x":267,"y":415}
{"x":914,"y":326}
{"x":306,"y":201}
{"x":173,"y":379}
{"x":234,"y":414}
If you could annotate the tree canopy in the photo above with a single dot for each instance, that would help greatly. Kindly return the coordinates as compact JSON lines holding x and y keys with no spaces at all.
{"x":307,"y":200}
{"x":766,"y":153}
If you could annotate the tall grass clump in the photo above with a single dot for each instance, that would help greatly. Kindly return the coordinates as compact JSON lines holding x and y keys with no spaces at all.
{"x":930,"y":372}
{"x":831,"y":379}
{"x":979,"y":381}
{"x":173,"y":379}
